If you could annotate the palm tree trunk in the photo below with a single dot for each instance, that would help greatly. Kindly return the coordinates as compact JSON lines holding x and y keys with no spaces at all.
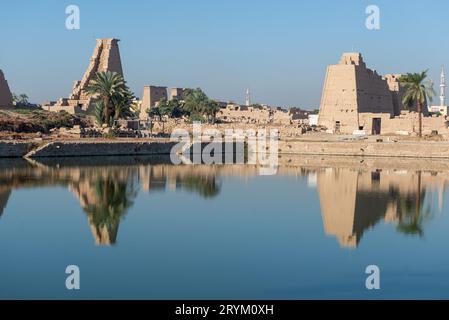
{"x":418,"y":198}
{"x":420,"y":119}
{"x":107,"y":114}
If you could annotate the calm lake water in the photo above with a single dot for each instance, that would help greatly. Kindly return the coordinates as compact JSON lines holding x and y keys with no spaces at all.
{"x":142,"y":228}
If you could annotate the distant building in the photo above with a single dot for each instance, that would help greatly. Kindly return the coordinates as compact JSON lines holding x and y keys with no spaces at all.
{"x":151,"y":96}
{"x":313,"y":119}
{"x":177,"y":94}
{"x":234,"y":113}
{"x":357,"y":99}
{"x":442,"y":108}
{"x":248,"y":98}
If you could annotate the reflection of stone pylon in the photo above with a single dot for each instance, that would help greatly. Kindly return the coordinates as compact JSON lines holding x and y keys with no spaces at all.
{"x":105,"y":235}
{"x":4,"y":196}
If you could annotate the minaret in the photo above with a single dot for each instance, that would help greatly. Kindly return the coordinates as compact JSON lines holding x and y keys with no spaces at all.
{"x":248,"y":98}
{"x":443,"y":89}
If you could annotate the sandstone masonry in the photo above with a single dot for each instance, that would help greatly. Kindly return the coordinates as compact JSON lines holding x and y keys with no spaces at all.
{"x":5,"y":93}
{"x":106,"y":57}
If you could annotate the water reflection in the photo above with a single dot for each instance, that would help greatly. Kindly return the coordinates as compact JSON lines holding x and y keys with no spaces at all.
{"x":353,"y":196}
{"x":105,"y":199}
{"x":105,"y":192}
{"x":353,"y":201}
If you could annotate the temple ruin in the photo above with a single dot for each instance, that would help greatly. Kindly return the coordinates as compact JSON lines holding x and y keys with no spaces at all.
{"x":6,"y":100}
{"x":234,"y":113}
{"x":106,"y":57}
{"x":152,"y":95}
{"x":357,"y":99}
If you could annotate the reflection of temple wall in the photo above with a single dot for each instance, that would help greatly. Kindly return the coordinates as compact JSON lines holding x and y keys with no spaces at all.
{"x":354,"y":200}
{"x":4,"y":196}
{"x":337,"y":190}
{"x":353,"y":197}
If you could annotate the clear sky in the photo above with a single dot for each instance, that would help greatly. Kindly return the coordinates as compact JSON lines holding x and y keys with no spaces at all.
{"x":279,"y":49}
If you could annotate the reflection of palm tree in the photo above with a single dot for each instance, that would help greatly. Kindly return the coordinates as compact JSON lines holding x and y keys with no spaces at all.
{"x":412,"y":216}
{"x":114,"y":198}
{"x":205,"y":186}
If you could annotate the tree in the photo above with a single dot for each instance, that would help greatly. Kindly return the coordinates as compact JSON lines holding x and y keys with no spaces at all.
{"x":197,"y":104}
{"x":212,"y":109}
{"x":171,"y":109}
{"x":256,"y":106}
{"x":20,"y":100}
{"x":124,"y":106}
{"x":417,"y":90}
{"x":110,"y":88}
{"x":195,"y":101}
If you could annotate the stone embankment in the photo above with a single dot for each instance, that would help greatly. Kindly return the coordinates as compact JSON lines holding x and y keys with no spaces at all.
{"x":91,"y":149}
{"x":15,"y":149}
{"x":402,"y":149}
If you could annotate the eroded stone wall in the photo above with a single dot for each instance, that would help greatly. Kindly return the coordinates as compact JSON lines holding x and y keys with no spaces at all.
{"x":5,"y":93}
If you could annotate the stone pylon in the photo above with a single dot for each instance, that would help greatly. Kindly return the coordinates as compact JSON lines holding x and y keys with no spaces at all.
{"x":106,"y":57}
{"x":5,"y":93}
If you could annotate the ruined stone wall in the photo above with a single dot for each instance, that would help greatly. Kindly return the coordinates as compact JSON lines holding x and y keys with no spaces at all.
{"x":251,"y":115}
{"x":177,"y":93}
{"x":409,"y":122}
{"x":5,"y":93}
{"x":373,"y":93}
{"x":248,"y":115}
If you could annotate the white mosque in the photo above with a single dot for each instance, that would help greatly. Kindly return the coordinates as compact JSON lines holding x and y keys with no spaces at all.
{"x":442,"y":108}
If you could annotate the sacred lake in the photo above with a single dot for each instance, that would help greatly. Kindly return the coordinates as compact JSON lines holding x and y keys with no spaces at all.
{"x":142,"y":228}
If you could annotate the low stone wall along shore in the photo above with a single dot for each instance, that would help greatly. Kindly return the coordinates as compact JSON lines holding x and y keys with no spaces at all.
{"x":418,"y":150}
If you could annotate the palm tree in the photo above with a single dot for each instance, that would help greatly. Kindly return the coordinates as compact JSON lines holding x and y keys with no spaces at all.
{"x":212,"y":110}
{"x":107,"y":87}
{"x":417,"y":90}
{"x":21,"y":99}
{"x":123,"y":105}
{"x":197,"y":104}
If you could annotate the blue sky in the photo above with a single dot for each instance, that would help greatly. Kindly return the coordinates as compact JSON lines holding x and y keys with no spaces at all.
{"x":280,"y":49}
